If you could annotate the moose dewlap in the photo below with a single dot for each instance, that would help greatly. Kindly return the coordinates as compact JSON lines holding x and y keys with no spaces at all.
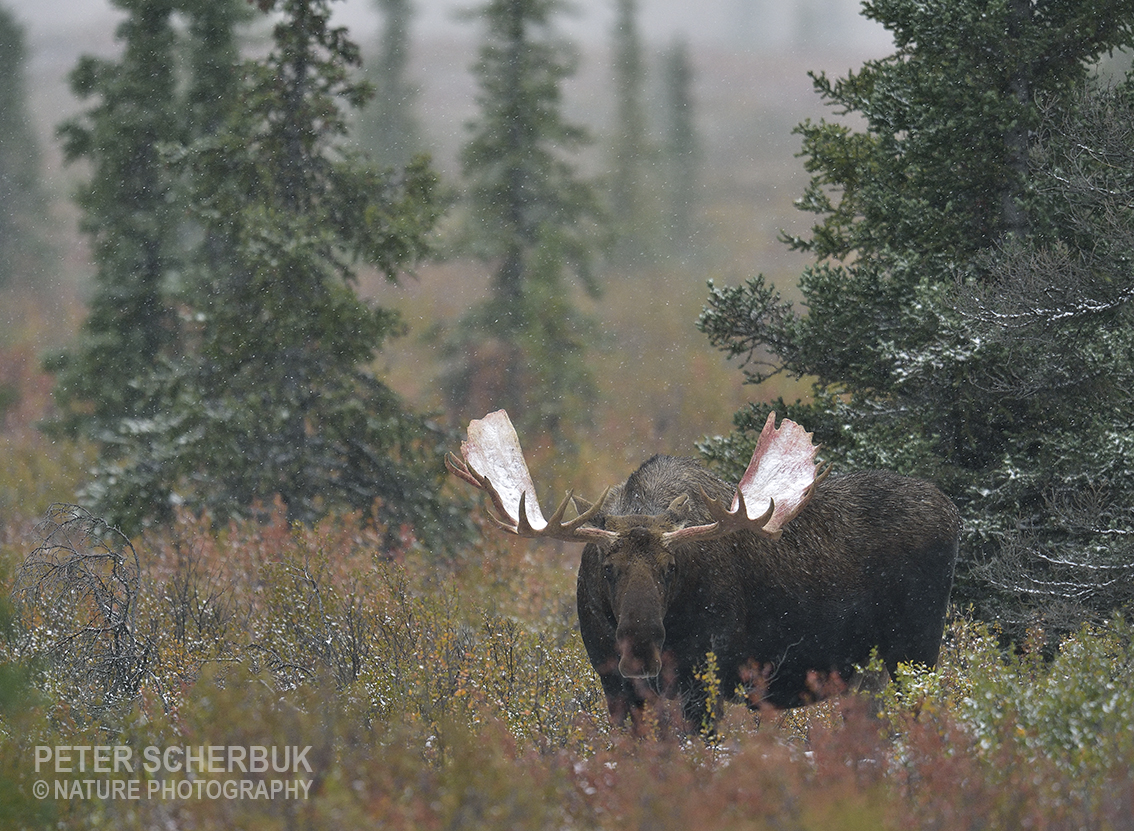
{"x":800,"y":577}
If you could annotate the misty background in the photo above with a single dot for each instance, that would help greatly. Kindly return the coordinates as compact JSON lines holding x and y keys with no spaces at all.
{"x":750,"y":57}
{"x":750,"y":60}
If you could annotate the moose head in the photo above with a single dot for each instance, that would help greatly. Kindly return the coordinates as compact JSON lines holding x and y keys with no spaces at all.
{"x":639,"y":560}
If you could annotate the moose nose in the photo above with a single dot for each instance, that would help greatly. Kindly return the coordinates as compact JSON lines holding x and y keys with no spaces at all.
{"x":640,"y":653}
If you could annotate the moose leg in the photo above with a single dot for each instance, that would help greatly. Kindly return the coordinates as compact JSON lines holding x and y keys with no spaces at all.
{"x":624,"y":698}
{"x":695,"y":711}
{"x":870,"y":682}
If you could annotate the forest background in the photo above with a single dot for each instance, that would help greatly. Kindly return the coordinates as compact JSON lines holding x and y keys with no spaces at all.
{"x":749,"y":94}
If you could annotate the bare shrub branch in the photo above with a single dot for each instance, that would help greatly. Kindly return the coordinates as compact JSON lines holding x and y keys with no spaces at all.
{"x":78,"y":592}
{"x":314,"y":627}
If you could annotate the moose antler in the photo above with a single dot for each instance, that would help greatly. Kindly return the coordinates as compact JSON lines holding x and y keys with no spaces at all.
{"x":778,"y":483}
{"x":494,"y":462}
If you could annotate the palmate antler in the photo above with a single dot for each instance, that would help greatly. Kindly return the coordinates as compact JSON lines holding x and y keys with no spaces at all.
{"x":781,"y":475}
{"x":494,"y":463}
{"x":778,"y":483}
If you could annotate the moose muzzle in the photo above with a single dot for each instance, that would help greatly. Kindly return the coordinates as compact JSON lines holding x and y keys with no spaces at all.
{"x":639,"y":650}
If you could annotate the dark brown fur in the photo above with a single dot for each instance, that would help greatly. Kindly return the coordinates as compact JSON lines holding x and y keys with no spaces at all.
{"x":867,"y":564}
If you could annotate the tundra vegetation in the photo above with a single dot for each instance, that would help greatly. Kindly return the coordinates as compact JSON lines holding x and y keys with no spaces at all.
{"x":461,"y":695}
{"x":444,"y":690}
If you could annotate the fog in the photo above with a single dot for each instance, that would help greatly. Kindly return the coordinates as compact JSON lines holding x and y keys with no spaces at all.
{"x":751,"y":60}
{"x":744,"y":24}
{"x":743,"y":51}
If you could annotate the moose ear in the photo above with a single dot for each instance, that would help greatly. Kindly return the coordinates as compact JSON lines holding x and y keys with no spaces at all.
{"x":680,"y":505}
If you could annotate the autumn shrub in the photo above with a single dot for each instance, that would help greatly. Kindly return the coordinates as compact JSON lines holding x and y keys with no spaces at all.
{"x":1014,"y":737}
{"x":456,"y":693}
{"x":34,"y":471}
{"x":79,"y":592}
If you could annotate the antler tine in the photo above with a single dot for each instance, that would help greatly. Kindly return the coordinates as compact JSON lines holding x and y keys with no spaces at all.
{"x":523,"y":527}
{"x":554,"y":521}
{"x":573,"y":530}
{"x":738,"y":519}
{"x":491,"y":461}
{"x":458,"y":468}
{"x":591,"y":511}
{"x":499,"y":522}
{"x":724,"y":521}
{"x":461,"y":470}
{"x":579,"y":522}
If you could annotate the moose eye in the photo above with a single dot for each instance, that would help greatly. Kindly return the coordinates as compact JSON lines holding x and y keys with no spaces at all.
{"x":608,"y":571}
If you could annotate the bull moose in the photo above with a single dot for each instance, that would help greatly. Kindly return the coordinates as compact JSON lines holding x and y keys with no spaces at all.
{"x":800,"y":578}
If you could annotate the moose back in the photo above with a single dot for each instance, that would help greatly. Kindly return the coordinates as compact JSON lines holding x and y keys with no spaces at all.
{"x":799,"y":578}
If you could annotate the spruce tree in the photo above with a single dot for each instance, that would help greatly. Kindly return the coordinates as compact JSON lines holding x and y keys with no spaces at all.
{"x":388,"y":129}
{"x":131,"y":324}
{"x":254,"y":381}
{"x":937,"y":181}
{"x":214,"y":49}
{"x":1058,"y":311}
{"x":535,"y":220}
{"x":146,"y":101}
{"x":275,"y":398}
{"x":631,"y":154}
{"x":682,"y":153}
{"x":24,"y":251}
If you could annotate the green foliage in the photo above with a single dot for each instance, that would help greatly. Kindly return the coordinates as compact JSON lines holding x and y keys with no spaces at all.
{"x":211,"y":43}
{"x":1066,"y":719}
{"x":26,"y":253}
{"x":652,"y":181}
{"x":681,"y":149}
{"x":938,"y":221}
{"x":1056,"y":312}
{"x":19,"y":701}
{"x":1073,"y":711}
{"x":278,"y":399}
{"x":531,"y":216}
{"x":937,"y":171}
{"x":630,"y":145}
{"x":132,"y":338}
{"x":523,"y":192}
{"x":709,"y":679}
{"x":259,"y":385}
{"x":131,"y":322}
